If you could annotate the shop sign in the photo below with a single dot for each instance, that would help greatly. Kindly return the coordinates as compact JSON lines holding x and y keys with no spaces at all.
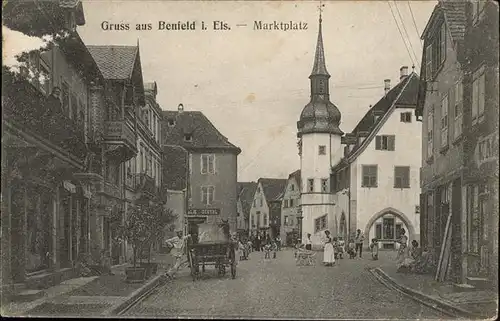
{"x":203,"y":211}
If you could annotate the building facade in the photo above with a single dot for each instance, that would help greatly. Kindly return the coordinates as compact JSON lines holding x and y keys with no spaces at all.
{"x":319,"y":148}
{"x":212,"y":166}
{"x":54,"y":153}
{"x":290,"y":208}
{"x":480,"y":129}
{"x":268,"y":194}
{"x":246,"y":191}
{"x":376,"y":184}
{"x":459,"y":101}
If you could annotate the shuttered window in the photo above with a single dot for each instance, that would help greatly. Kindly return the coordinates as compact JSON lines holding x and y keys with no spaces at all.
{"x":385,"y":142}
{"x":444,"y":121}
{"x":369,"y":176}
{"x":401,"y":177}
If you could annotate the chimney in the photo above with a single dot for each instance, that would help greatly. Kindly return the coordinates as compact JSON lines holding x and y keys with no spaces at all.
{"x":387,"y":85}
{"x":403,"y":72}
{"x":180,"y":108}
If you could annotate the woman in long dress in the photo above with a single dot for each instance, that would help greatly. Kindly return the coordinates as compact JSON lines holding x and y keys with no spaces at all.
{"x":403,"y":253}
{"x":328,"y":251}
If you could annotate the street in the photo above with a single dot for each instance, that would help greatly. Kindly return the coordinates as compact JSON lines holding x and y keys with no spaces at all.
{"x":277,"y":288}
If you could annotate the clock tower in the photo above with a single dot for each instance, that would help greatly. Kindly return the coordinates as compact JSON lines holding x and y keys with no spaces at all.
{"x":319,"y":148}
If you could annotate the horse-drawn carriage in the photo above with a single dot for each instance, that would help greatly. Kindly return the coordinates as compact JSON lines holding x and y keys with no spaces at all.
{"x":212,"y":246}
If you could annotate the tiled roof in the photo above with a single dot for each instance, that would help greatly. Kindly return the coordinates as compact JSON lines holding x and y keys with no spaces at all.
{"x":396,"y":96}
{"x":115,"y":62}
{"x":176,"y":124}
{"x":273,"y":187}
{"x":246,"y":191}
{"x":456,"y":20}
{"x":296,"y":176}
{"x":455,"y":16}
{"x":175,"y":168}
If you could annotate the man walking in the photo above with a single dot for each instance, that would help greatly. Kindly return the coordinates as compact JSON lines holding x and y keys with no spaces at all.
{"x":360,"y":238}
{"x":177,"y":244}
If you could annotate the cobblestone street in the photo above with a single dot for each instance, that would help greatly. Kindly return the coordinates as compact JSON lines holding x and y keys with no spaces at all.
{"x":279,"y":288}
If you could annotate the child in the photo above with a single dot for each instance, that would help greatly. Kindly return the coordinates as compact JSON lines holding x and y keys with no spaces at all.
{"x":267,"y":251}
{"x":374,"y":248}
{"x":351,"y":249}
{"x":241,"y":251}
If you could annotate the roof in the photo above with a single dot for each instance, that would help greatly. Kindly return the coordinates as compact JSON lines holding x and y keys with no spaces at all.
{"x":246,"y":191}
{"x":273,"y":188}
{"x":404,"y":94}
{"x":319,"y":66}
{"x":455,"y":16}
{"x":115,"y":62}
{"x":174,"y":168}
{"x":203,"y":132}
{"x":296,"y":175}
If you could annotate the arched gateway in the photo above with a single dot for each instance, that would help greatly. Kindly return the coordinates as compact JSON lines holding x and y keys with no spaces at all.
{"x":386,"y":225}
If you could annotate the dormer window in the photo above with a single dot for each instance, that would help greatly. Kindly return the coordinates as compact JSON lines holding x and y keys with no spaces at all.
{"x":171,"y":122}
{"x":188,"y":137}
{"x":435,"y":52}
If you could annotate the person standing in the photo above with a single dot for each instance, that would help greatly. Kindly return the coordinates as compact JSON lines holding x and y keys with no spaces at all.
{"x":177,"y":245}
{"x":257,"y":242}
{"x":328,"y":251}
{"x":360,"y":238}
{"x":403,"y":240}
{"x":308,"y":242}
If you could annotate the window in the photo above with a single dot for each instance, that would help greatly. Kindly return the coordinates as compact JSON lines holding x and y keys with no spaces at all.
{"x":444,"y":121}
{"x":401,"y":177}
{"x":486,"y":148}
{"x":406,"y":117}
{"x":258,"y":218}
{"x":188,"y":137}
{"x":320,"y":223}
{"x":457,"y":123}
{"x":207,"y":195}
{"x":208,"y":164}
{"x":291,"y":202}
{"x":378,"y":231}
{"x":474,"y":219}
{"x":322,"y":150}
{"x":44,"y":78}
{"x":265,"y":220}
{"x":285,"y":203}
{"x":65,"y":98}
{"x":261,"y":203}
{"x":385,"y":142}
{"x":435,"y":53}
{"x":428,"y":63}
{"x":254,"y":203}
{"x":324,"y":185}
{"x":292,"y":187}
{"x":369,"y":176}
{"x":388,"y":224}
{"x":253,"y":221}
{"x":430,"y":137}
{"x":285,"y":222}
{"x":310,"y":185}
{"x":171,"y":122}
{"x":478,"y":96}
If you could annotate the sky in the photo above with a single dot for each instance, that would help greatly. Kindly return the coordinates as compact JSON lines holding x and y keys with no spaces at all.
{"x":253,"y":84}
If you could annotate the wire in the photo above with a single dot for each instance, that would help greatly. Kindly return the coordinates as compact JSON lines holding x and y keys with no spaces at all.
{"x":400,"y":33}
{"x":415,"y":24}
{"x":406,"y":32}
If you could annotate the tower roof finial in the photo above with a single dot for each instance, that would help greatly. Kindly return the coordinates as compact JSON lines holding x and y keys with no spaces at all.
{"x":319,"y":67}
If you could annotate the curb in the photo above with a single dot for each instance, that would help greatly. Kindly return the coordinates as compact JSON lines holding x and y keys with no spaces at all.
{"x":135,"y":297}
{"x":425,"y":299}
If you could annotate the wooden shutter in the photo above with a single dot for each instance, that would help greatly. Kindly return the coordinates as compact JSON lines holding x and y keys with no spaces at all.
{"x":378,"y":142}
{"x":428,"y":62}
{"x":373,"y":176}
{"x":391,"y":141}
{"x":397,"y":177}
{"x":406,"y":176}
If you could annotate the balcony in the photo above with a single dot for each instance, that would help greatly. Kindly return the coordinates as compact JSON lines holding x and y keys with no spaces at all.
{"x":145,"y":184}
{"x":27,"y":109}
{"x":120,"y":140}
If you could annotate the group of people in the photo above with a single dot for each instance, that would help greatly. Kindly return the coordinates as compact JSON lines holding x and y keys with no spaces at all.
{"x":263,"y":242}
{"x":414,"y":259}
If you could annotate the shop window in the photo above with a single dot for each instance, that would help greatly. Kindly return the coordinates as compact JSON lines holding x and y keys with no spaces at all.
{"x":388,"y":224}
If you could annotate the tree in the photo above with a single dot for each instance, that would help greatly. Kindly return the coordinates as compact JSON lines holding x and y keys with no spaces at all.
{"x":144,"y":224}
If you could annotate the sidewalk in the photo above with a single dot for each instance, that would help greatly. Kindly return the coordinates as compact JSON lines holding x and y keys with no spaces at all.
{"x":91,"y":296}
{"x":472,"y":302}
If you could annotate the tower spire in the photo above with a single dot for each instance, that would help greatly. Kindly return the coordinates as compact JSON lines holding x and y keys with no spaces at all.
{"x":319,"y":67}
